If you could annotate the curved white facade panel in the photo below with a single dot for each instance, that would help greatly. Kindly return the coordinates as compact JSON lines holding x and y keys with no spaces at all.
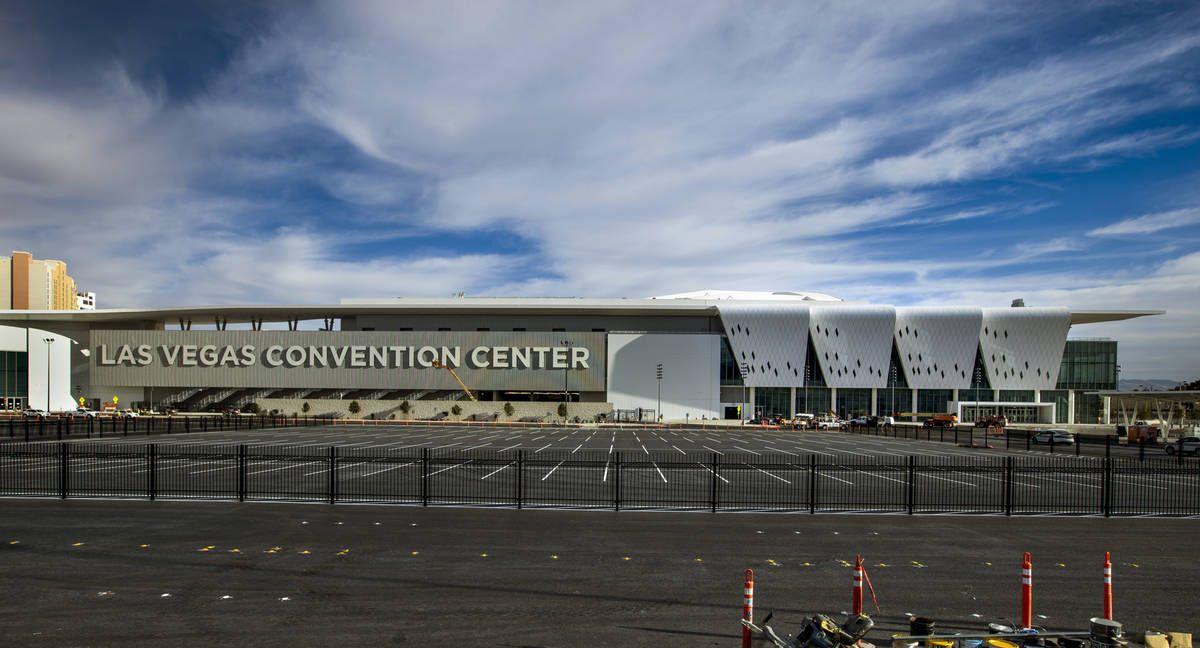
{"x":853,"y":344}
{"x":771,"y":339}
{"x":937,"y":345}
{"x":1022,"y":347}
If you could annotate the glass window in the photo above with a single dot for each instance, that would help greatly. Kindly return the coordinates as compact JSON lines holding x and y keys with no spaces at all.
{"x":813,"y":400}
{"x":893,"y":401}
{"x":853,"y":402}
{"x":933,"y":401}
{"x":772,"y":401}
{"x":1017,"y":396}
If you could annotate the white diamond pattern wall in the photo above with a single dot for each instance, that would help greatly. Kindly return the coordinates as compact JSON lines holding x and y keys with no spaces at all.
{"x":853,"y":344}
{"x":937,"y":345}
{"x":1022,"y":347}
{"x":771,"y":339}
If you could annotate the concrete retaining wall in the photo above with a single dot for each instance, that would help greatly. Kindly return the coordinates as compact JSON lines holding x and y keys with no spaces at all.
{"x":390,"y":409}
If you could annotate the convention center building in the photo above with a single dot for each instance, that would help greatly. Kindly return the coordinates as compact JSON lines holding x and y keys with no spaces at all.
{"x":708,"y":354}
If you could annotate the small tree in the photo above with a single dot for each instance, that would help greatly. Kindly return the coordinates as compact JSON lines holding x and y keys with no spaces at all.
{"x":252,"y":408}
{"x":354,"y":408}
{"x":562,"y":409}
{"x":509,"y":409}
{"x":304,"y":408}
{"x":405,"y":407}
{"x":456,"y":410}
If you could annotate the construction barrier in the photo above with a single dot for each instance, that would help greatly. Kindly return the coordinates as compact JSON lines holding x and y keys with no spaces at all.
{"x":1108,"y":613}
{"x":1027,"y":593}
{"x":856,"y":607}
{"x":747,"y":607}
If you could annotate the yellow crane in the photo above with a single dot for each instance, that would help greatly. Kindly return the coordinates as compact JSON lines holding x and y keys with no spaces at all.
{"x":439,"y":365}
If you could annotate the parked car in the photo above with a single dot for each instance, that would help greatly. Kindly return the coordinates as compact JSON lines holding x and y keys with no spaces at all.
{"x":862,"y":420}
{"x":82,"y":413}
{"x":1186,"y":445}
{"x":886,"y":420}
{"x":832,"y":424}
{"x":1052,"y":437}
{"x":34,"y":413}
{"x":127,"y":414}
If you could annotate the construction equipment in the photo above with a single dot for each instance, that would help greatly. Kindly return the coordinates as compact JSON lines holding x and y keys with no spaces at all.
{"x":438,"y":365}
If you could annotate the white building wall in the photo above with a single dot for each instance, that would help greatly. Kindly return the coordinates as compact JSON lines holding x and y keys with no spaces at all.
{"x":15,"y":338}
{"x":937,"y":345}
{"x":770,"y":339}
{"x":691,"y":373}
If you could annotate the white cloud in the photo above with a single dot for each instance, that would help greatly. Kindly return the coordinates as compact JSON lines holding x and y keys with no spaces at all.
{"x":1150,"y":223}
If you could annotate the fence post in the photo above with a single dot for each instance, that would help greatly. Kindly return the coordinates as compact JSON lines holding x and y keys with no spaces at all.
{"x":241,"y":485}
{"x":332,"y":474}
{"x":124,"y":427}
{"x":715,"y":482}
{"x":617,"y":482}
{"x":26,"y":430}
{"x":1107,"y":446}
{"x":1107,"y":487}
{"x":424,"y":476}
{"x":60,"y":429}
{"x":1077,"y":444}
{"x":151,"y":460}
{"x":63,"y":469}
{"x":1008,"y":485}
{"x":912,"y":484}
{"x":1142,"y":449}
{"x":812,"y":484}
{"x":520,"y":478}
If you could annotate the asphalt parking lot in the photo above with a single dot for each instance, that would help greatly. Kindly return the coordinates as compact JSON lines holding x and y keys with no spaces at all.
{"x":112,"y":573}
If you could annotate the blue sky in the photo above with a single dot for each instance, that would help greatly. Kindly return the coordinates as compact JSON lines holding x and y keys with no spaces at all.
{"x":898,"y":153}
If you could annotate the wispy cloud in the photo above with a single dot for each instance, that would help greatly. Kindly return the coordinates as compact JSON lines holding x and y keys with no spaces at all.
{"x":1150,"y":223}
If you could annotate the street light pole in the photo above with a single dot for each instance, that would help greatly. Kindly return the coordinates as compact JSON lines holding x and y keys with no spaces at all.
{"x":745,"y":369}
{"x":48,"y":342}
{"x":566,"y":371}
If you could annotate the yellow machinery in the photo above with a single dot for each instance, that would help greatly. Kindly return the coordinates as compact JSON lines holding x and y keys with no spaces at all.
{"x":460,"y":382}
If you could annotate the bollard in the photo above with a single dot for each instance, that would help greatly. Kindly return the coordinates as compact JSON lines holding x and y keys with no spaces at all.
{"x":748,"y":607}
{"x":1108,"y":613}
{"x":857,"y":591}
{"x":1027,"y":593}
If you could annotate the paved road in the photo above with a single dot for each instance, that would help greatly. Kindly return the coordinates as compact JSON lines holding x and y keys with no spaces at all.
{"x":110,"y":573}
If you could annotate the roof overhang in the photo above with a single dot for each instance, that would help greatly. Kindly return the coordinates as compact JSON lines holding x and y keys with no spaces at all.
{"x":237,"y":313}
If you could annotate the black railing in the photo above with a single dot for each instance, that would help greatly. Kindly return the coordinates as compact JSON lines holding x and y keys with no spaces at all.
{"x":1005,"y":485}
{"x":18,"y":428}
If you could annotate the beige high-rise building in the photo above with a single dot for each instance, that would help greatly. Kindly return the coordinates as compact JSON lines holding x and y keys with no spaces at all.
{"x":27,"y":283}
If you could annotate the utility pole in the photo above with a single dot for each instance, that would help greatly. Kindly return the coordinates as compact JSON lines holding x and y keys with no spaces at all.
{"x":48,"y":341}
{"x":660,"y":414}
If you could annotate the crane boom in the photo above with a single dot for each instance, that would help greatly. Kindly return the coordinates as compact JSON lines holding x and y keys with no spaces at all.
{"x":460,"y":382}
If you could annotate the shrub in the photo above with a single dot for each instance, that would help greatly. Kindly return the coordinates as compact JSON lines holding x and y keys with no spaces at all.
{"x":304,"y":408}
{"x":509,"y":409}
{"x":354,"y":408}
{"x":252,"y":408}
{"x":456,"y":410}
{"x":562,"y":409}
{"x":405,"y":407}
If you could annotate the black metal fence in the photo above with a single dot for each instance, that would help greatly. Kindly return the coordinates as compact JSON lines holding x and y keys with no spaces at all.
{"x":101,"y":427}
{"x":1109,"y":486}
{"x":1008,"y":439}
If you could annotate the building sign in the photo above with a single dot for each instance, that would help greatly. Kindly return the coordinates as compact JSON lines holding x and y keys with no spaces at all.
{"x":349,"y":359}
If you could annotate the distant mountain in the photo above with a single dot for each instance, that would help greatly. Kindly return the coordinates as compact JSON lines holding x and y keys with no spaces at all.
{"x":1146,"y":384}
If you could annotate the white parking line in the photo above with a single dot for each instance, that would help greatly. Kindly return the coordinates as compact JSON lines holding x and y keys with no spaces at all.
{"x":497,"y":470}
{"x":376,"y":472}
{"x":768,"y":474}
{"x":553,"y":469}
